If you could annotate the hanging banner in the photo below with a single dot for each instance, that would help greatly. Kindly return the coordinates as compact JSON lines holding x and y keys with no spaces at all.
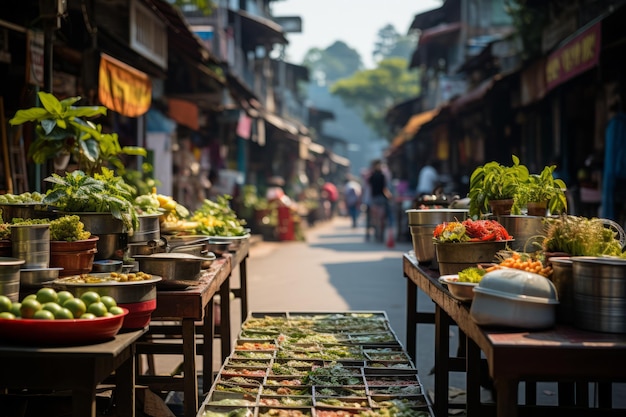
{"x":122,"y":88}
{"x":575,"y":57}
{"x":35,"y":70}
{"x":184,"y":112}
{"x":244,"y":125}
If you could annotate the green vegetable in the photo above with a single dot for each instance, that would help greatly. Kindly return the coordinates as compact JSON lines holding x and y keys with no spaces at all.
{"x":472,"y":274}
{"x":581,"y":236}
{"x":69,"y":229}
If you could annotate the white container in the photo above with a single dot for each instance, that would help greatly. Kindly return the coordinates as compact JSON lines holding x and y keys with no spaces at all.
{"x":514,"y":298}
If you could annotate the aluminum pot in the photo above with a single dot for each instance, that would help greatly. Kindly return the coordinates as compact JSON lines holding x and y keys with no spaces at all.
{"x":24,"y":211}
{"x":10,"y":277}
{"x":149,"y":228}
{"x":528,"y":231}
{"x":31,"y":242}
{"x":435,"y":216}
{"x":37,"y":277}
{"x":172,"y":266}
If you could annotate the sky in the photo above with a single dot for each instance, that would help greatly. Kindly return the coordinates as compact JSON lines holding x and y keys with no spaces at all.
{"x":355,"y":22}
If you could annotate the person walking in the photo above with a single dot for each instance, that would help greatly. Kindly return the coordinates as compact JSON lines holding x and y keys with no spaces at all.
{"x":352,"y":192}
{"x":380,"y":196}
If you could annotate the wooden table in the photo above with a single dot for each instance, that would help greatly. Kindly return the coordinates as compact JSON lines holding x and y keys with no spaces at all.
{"x":192,"y":309}
{"x":561,"y":354}
{"x":76,"y":368}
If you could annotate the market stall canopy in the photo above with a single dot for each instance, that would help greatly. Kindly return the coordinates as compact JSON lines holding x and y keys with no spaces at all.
{"x":122,"y":88}
{"x":413,"y":126}
{"x":184,"y":112}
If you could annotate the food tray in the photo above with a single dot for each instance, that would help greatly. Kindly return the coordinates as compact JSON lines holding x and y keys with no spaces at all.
{"x":338,"y":362}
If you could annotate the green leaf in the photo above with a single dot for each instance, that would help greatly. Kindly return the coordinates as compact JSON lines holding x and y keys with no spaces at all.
{"x":90,"y":149}
{"x":50,"y":103}
{"x":28,"y":115}
{"x":134,"y":150}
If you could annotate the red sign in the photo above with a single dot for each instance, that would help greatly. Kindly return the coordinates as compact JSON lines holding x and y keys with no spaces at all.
{"x":577,"y":56}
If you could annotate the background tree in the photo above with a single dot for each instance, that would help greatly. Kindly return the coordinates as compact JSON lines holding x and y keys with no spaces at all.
{"x":333,"y":63}
{"x":374,"y":91}
{"x":391,"y":44}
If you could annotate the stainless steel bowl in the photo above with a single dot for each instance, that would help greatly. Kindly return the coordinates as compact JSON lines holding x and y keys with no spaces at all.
{"x":218,"y":247}
{"x":37,"y":277}
{"x":122,"y":292}
{"x":107,"y":265}
{"x":171,"y":266}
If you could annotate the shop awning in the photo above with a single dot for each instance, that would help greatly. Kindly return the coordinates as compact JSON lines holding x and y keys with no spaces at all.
{"x":257,"y":30}
{"x":122,"y":88}
{"x":184,"y":112}
{"x":413,"y":125}
{"x":433,"y":33}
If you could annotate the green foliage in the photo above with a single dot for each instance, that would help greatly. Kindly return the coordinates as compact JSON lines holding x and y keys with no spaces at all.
{"x":206,"y":7}
{"x":390,"y":44}
{"x":542,"y":187}
{"x":63,"y":128}
{"x":581,"y":236}
{"x":68,"y":228}
{"x":217,"y":218}
{"x":374,"y":91}
{"x":106,"y":192}
{"x":333,"y":63}
{"x":494,"y":181}
{"x":529,"y":22}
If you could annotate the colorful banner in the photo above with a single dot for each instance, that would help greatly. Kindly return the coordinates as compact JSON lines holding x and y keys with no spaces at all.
{"x":577,"y":56}
{"x":122,"y":88}
{"x":184,"y":112}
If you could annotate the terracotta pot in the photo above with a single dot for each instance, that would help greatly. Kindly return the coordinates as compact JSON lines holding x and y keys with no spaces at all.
{"x":74,"y":257}
{"x":537,"y":208}
{"x":501,"y":207}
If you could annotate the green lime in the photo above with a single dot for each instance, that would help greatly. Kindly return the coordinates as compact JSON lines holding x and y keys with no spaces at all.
{"x":97,"y":308}
{"x":76,"y":306}
{"x":43,"y":315}
{"x":90,"y":297}
{"x":108,"y":301}
{"x":7,"y":315}
{"x":5,"y":303}
{"x":30,"y":296}
{"x":51,"y":307}
{"x":64,"y":296}
{"x":47,"y":295}
{"x":16,"y":309}
{"x":29,"y":307}
{"x":116,"y":310}
{"x":63,"y":314}
{"x":88,"y":316}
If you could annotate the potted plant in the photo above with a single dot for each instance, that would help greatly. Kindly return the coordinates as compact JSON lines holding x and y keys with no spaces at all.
{"x":494,"y":182}
{"x":105,"y":193}
{"x":71,"y":246}
{"x":63,"y":131}
{"x":541,"y":192}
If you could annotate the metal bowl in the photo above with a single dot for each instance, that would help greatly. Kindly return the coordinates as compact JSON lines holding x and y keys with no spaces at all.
{"x":107,"y":265}
{"x":122,"y":292}
{"x":463,"y":291}
{"x":37,"y":277}
{"x":218,"y":247}
{"x":171,"y":266}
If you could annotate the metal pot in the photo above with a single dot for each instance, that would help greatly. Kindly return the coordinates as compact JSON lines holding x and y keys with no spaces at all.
{"x":31,"y":242}
{"x":37,"y":277}
{"x":149,"y":229}
{"x":195,"y":246}
{"x":172,"y":266}
{"x":10,"y":277}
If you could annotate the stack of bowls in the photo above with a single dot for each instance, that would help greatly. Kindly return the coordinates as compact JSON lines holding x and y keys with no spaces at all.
{"x":422,"y":223}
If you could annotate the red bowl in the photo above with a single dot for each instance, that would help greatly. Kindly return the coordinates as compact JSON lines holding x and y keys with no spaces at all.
{"x":139,"y":314}
{"x":60,"y":332}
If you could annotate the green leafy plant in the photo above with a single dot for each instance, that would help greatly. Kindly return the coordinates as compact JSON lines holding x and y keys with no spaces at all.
{"x":542,"y":187}
{"x":106,"y":192}
{"x":68,"y":229}
{"x":494,"y":181}
{"x":581,"y":236}
{"x":62,"y":128}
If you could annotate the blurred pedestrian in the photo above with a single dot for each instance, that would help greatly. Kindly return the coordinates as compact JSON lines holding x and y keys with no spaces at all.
{"x":331,"y":195}
{"x":428,"y":178}
{"x":352,"y":196}
{"x":614,"y":172}
{"x":380,"y":196}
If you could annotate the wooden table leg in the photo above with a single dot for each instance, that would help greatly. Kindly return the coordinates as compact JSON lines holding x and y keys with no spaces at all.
{"x":125,"y":386}
{"x":190,"y":392}
{"x":473,"y":366}
{"x":225,"y":318}
{"x":506,"y":401}
{"x":243,"y":288}
{"x":84,"y":401}
{"x":411,"y":321}
{"x":208,"y":332}
{"x":442,"y":356}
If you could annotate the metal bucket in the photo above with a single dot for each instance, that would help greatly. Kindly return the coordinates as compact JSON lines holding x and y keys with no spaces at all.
{"x":24,"y":211}
{"x":99,"y":223}
{"x":10,"y":277}
{"x":423,"y":245}
{"x":417,"y":217}
{"x":563,"y":280}
{"x":455,"y":257}
{"x":149,"y":229}
{"x":111,"y":246}
{"x":599,"y":293}
{"x":31,"y":242}
{"x":528,"y":231}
